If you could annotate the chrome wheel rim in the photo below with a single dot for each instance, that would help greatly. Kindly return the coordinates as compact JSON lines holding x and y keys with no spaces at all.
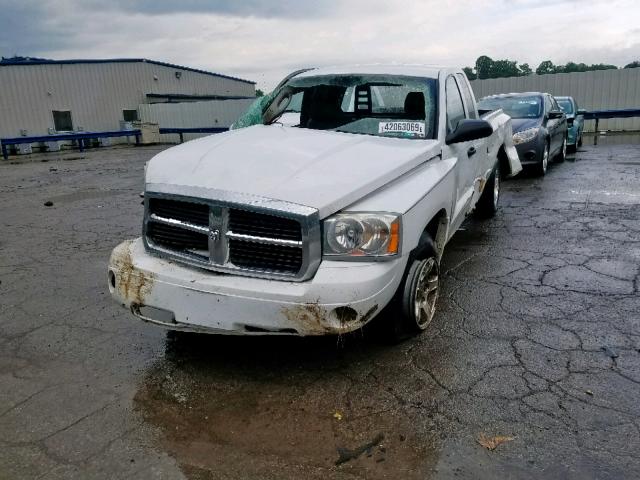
{"x":545,"y":158}
{"x":426,"y":293}
{"x":564,"y":148}
{"x":496,"y":187}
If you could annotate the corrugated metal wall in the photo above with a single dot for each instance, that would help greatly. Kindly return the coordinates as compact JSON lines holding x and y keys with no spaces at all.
{"x":598,"y":90}
{"x":95,"y":93}
{"x":213,"y":113}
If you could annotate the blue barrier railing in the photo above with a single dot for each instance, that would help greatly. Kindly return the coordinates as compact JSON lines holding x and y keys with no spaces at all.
{"x":598,"y":115}
{"x":80,"y":137}
{"x":623,"y":113}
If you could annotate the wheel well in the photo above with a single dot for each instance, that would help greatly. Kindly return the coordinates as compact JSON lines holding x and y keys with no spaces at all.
{"x":503,"y":161}
{"x":437,"y":230}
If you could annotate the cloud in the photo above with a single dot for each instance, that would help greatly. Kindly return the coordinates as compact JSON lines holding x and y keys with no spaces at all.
{"x":244,"y":8}
{"x":263,"y":40}
{"x":28,"y":27}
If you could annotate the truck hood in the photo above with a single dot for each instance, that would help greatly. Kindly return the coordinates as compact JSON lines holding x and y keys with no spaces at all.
{"x":321,"y":169}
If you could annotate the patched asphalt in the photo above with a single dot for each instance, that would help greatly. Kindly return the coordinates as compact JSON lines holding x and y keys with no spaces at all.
{"x":535,"y":348}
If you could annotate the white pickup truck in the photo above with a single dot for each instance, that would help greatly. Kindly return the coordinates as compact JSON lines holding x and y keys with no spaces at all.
{"x":317,"y":225}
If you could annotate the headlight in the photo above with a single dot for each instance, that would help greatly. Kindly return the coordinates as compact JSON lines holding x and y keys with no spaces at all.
{"x":362,"y":234}
{"x":525,"y":135}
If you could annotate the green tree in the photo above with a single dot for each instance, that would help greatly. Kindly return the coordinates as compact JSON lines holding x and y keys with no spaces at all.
{"x":602,"y":66}
{"x":525,"y":69}
{"x":503,"y":69}
{"x":634,"y":64}
{"x":546,"y":67}
{"x":483,"y":66}
{"x":259,"y":93}
{"x":571,"y":67}
{"x":468,"y":71}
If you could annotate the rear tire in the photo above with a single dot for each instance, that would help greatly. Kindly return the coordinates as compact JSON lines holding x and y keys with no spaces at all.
{"x":487,"y":205}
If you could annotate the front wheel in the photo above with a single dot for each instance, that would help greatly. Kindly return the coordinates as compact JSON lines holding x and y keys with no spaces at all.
{"x":414,"y":305}
{"x":420,"y":294}
{"x":487,"y":205}
{"x":562,"y":156}
{"x":541,"y":169}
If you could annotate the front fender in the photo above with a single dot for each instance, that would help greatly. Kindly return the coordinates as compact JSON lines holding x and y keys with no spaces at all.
{"x":502,"y":138}
{"x":419,"y":195}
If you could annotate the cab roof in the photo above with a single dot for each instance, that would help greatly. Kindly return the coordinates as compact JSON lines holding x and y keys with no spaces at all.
{"x":516,"y":94}
{"x":426,"y":71}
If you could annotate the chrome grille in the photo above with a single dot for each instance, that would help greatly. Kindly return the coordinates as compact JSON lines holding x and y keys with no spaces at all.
{"x":197,"y":213}
{"x":241,"y":238}
{"x":244,"y":222}
{"x":265,"y":256}
{"x":177,"y":238}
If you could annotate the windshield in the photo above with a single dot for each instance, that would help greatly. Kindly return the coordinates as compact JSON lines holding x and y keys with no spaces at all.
{"x":515,"y":107}
{"x":381,"y":105}
{"x":566,"y":105}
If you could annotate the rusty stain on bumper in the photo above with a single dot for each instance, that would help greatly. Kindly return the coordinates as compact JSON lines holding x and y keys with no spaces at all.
{"x":132,"y":284}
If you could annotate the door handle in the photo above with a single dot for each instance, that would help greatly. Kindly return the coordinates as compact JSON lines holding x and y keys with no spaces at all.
{"x":471,"y":152}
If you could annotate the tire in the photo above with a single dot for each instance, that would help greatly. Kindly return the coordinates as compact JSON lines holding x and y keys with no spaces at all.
{"x":487,"y":205}
{"x":541,"y":168}
{"x":579,"y":144}
{"x":562,"y":155}
{"x":414,"y":304}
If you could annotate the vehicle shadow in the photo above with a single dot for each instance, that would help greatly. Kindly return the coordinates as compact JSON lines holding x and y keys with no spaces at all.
{"x":267,"y":351}
{"x":274,"y":406}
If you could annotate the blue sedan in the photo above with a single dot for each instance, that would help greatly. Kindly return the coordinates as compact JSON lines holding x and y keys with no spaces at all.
{"x":575,"y":121}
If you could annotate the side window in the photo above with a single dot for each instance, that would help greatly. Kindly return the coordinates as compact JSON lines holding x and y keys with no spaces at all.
{"x":62,"y":120}
{"x":554,"y":104}
{"x":130,"y":115}
{"x":455,"y":109}
{"x":295,"y":105}
{"x":469,"y":102}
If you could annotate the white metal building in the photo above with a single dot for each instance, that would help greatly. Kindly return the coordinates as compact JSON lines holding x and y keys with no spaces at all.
{"x":38,"y":97}
{"x":596,"y":90}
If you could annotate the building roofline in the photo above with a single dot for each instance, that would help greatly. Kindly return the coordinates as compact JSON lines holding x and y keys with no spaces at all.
{"x":8,"y":62}
{"x":184,"y":96}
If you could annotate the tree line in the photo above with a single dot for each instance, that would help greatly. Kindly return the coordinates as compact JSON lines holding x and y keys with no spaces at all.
{"x":486,"y":67}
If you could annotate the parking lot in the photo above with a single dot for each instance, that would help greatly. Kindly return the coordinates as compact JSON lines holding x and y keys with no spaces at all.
{"x":536,"y":339}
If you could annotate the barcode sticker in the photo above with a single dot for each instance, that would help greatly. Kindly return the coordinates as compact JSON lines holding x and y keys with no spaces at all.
{"x":407,"y":128}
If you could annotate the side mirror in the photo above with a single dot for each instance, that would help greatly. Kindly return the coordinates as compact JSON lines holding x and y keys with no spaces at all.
{"x":556,"y":114}
{"x":469,"y":130}
{"x":581,"y":111}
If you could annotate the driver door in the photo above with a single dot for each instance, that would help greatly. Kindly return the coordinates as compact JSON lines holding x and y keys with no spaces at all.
{"x":464,"y":152}
{"x":553,"y":126}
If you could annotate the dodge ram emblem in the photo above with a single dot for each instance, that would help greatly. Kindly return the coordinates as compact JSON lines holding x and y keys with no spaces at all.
{"x":214,"y":235}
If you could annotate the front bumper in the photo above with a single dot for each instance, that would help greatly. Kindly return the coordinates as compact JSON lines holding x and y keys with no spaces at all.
{"x":530,"y":153}
{"x":341,"y":297}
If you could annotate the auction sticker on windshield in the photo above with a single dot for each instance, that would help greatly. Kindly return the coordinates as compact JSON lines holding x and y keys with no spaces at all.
{"x":404,"y":128}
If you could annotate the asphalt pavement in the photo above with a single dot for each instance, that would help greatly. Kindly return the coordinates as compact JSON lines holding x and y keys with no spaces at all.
{"x":530,"y":370}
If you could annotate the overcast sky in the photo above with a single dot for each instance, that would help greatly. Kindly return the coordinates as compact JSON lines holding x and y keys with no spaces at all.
{"x":262,"y":40}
